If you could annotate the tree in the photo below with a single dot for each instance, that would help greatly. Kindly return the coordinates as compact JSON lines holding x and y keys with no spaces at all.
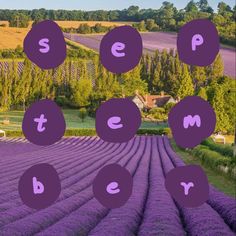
{"x":186,"y":87}
{"x":229,"y":86}
{"x":234,"y":12}
{"x":145,"y":65}
{"x":169,"y":106}
{"x":222,"y":119}
{"x":132,"y":13}
{"x":191,"y":7}
{"x":166,"y":16}
{"x":81,"y":91}
{"x":142,"y":26}
{"x":171,"y":83}
{"x":82,"y":114}
{"x":223,"y":8}
{"x":156,"y":81}
{"x":199,"y":76}
{"x":19,"y":20}
{"x":36,"y":21}
{"x":217,"y":69}
{"x":84,"y":29}
{"x":132,"y":82}
{"x":151,"y":25}
{"x":204,"y":6}
{"x":202,"y":93}
{"x":98,"y":28}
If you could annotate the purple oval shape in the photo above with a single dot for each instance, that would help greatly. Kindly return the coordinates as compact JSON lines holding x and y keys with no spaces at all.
{"x":43,"y":123}
{"x":188,"y":185}
{"x":191,"y":121}
{"x":39,"y":186}
{"x":130,"y":120}
{"x":121,"y":49}
{"x":108,"y":175}
{"x":45,"y":45}
{"x":198,"y":42}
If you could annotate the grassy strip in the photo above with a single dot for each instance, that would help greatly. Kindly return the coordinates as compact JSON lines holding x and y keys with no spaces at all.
{"x":92,"y":132}
{"x":215,"y":161}
{"x":217,"y":179}
{"x":75,"y":46}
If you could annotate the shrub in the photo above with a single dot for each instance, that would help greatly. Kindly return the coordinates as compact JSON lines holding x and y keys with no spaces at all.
{"x":62,"y":101}
{"x":158,"y":113}
{"x":214,"y":160}
{"x":84,"y":29}
{"x":82,"y":114}
{"x":225,"y":150}
{"x":168,"y":107}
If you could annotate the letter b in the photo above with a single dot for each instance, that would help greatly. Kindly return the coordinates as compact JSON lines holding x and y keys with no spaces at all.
{"x":44,"y":43}
{"x":38,"y":187}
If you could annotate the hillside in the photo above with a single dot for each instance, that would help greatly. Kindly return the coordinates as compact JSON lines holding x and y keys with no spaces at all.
{"x":149,"y":211}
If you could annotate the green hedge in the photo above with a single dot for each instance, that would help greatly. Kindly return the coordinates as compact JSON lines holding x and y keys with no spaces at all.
{"x":80,"y":132}
{"x":214,"y":160}
{"x":92,"y":132}
{"x":15,"y":133}
{"x":161,"y":131}
{"x":225,"y":150}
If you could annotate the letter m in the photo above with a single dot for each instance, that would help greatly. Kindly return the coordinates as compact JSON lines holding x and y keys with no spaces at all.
{"x":191,"y":121}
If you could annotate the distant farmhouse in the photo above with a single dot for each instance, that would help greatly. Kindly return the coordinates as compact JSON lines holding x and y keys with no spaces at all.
{"x":148,"y":102}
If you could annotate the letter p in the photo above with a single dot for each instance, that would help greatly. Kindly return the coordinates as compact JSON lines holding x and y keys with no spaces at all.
{"x":197,"y":40}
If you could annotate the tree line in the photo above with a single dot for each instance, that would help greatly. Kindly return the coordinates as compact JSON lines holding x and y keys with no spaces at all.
{"x":86,"y":83}
{"x":84,"y":28}
{"x":166,"y":18}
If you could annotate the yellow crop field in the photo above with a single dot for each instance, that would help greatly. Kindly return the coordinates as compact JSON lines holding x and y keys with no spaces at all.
{"x":12,"y":37}
{"x":75,"y":24}
{"x":2,"y":22}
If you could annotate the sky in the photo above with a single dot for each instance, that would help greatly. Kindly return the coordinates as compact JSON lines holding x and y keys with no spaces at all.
{"x":96,"y":4}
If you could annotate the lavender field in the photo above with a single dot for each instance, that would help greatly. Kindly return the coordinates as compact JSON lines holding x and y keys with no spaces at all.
{"x":157,"y":40}
{"x":149,"y":211}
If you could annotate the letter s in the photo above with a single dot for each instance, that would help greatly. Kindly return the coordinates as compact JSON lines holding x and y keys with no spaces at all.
{"x":44,"y":43}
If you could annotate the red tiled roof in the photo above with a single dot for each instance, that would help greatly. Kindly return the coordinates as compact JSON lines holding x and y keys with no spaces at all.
{"x":157,"y":100}
{"x":151,"y":101}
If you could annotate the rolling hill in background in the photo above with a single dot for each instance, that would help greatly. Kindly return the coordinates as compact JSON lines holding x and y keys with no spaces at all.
{"x":11,"y":37}
{"x":157,"y":40}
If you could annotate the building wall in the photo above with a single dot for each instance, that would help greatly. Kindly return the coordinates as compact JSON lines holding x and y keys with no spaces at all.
{"x":138,"y":102}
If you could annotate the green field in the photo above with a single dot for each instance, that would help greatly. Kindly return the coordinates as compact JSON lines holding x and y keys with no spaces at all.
{"x":71,"y":116}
